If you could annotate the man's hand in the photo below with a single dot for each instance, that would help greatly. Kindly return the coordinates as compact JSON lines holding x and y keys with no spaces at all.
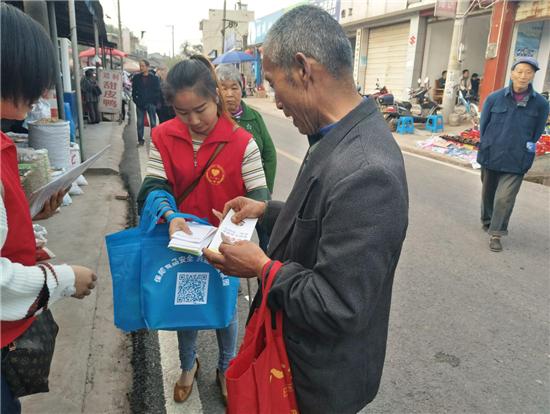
{"x":244,"y":208}
{"x":242,"y":259}
{"x":84,"y":281}
{"x":51,"y":206}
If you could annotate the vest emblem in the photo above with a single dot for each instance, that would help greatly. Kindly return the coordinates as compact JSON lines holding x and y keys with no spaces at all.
{"x":215,"y":174}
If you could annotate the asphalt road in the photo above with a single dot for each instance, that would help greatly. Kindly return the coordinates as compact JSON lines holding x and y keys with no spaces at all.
{"x":469,"y":329}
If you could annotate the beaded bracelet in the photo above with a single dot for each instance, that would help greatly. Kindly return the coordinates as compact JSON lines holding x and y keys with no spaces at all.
{"x":51,"y":268}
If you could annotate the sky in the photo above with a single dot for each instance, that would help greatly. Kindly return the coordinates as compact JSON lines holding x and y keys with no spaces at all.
{"x":156,"y":16}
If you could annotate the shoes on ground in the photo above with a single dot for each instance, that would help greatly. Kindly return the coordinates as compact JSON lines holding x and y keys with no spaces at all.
{"x":494,"y":244}
{"x":182,"y":392}
{"x":220,"y":380}
{"x":485,"y":227}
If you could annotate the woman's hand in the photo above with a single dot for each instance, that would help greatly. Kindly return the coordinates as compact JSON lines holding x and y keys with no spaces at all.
{"x":178,"y":224}
{"x":84,"y":281}
{"x":51,"y":206}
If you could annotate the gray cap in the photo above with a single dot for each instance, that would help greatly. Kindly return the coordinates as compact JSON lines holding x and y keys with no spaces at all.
{"x":526,"y":59}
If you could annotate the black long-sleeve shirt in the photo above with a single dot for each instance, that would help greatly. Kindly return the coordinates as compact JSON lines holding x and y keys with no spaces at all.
{"x":146,"y":90}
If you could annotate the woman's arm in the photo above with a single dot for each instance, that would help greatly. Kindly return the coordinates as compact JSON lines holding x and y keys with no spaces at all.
{"x":253,"y":173}
{"x":21,"y":286}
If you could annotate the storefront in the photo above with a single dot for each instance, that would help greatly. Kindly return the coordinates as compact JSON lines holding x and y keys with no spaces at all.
{"x":517,"y":29}
{"x":438,"y":44}
{"x":387,"y":48}
{"x":532,"y":38}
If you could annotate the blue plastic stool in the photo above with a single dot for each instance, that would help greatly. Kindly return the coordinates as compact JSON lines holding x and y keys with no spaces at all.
{"x":434,"y":123}
{"x":405,"y":125}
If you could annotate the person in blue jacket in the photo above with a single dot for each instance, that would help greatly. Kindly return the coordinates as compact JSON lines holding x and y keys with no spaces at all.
{"x":512,"y":121}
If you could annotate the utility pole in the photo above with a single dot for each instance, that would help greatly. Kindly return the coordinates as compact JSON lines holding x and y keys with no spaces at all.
{"x":121,"y":42}
{"x":223,"y":26}
{"x":173,"y":49}
{"x":76,"y":71}
{"x":454,"y":67}
{"x":58,"y":82}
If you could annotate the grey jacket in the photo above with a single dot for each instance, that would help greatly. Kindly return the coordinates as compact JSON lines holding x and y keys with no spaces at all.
{"x":339,"y":235}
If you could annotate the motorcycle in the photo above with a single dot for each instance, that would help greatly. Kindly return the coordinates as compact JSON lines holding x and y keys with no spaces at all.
{"x":420,"y":106}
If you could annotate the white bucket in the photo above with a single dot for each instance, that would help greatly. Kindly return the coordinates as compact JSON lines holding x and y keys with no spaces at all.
{"x":55,"y":137}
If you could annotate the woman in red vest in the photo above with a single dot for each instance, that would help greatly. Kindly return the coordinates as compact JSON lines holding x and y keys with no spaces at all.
{"x":201,"y":135}
{"x":28,"y":67}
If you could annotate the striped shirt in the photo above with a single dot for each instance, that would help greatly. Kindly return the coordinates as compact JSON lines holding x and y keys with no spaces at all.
{"x":252,"y":168}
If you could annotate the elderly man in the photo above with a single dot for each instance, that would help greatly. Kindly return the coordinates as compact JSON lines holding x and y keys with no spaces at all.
{"x":512,"y":121}
{"x":342,"y":227}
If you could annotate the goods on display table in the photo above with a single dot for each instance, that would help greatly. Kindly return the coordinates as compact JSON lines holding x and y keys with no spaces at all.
{"x":463,"y":146}
{"x":44,"y":155}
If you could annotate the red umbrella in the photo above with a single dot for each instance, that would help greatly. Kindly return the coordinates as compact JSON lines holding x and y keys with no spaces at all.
{"x":91,"y":52}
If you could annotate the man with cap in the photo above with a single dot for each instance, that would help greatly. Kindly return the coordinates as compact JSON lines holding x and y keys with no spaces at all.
{"x":512,"y":121}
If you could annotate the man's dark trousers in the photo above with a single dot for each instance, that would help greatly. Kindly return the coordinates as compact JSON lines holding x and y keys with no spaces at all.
{"x":498,"y":196}
{"x":151,"y":110}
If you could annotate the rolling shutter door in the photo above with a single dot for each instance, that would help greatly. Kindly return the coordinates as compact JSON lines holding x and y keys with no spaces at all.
{"x":387,"y":58}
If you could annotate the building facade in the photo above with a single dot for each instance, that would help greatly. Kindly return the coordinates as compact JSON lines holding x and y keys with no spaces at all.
{"x":400,"y":41}
{"x":236,"y":30}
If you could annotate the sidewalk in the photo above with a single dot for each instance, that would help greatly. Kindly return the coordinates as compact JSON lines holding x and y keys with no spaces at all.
{"x":91,"y":371}
{"x":540,"y":172}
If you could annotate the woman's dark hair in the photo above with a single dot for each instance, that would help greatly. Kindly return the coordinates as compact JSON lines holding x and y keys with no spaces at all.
{"x":195,"y":73}
{"x":465,"y":70}
{"x":28,"y":63}
{"x":145,"y":62}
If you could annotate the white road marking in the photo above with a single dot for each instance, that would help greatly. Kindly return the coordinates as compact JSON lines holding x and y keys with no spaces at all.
{"x":289,"y":156}
{"x":412,"y":154}
{"x":169,"y":361}
{"x":456,"y":167}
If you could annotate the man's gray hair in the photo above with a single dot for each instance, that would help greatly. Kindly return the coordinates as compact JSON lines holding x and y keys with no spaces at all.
{"x":229,"y":73}
{"x":313,"y":32}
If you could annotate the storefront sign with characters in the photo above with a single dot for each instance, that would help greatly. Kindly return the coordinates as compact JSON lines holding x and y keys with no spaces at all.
{"x":110,"y":82}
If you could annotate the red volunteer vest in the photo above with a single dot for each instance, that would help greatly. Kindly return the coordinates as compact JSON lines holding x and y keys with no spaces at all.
{"x":221,"y":182}
{"x":20,"y":245}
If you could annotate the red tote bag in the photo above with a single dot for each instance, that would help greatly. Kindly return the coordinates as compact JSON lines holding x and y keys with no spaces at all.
{"x":259,"y":380}
{"x":145,"y":119}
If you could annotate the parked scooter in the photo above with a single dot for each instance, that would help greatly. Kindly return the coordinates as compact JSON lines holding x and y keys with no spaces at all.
{"x":419,"y":107}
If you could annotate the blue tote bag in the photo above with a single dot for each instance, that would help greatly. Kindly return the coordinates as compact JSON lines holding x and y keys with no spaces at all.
{"x":124,"y":249}
{"x":183,"y":291}
{"x":158,"y":288}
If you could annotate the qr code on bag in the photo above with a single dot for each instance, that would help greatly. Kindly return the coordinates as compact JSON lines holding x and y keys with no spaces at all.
{"x":191,"y":288}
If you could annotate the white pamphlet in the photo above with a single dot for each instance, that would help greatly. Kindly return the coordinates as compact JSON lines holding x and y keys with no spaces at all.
{"x":201,"y":237}
{"x":39,"y":197}
{"x":234,"y":232}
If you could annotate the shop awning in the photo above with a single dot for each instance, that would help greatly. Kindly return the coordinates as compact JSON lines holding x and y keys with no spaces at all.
{"x":91,"y":52}
{"x":85,"y":12}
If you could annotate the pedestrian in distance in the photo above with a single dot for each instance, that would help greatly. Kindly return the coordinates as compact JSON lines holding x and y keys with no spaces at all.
{"x":146,"y":95}
{"x":339,"y":234}
{"x":26,"y":289}
{"x":165,"y":111}
{"x":91,"y":93}
{"x":201,"y":143}
{"x":252,"y":121}
{"x":512,"y":121}
{"x":465,"y":84}
{"x":475,"y":81}
{"x":442,"y":80}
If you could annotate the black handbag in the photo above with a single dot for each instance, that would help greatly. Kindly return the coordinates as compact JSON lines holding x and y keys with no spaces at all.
{"x":26,"y":364}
